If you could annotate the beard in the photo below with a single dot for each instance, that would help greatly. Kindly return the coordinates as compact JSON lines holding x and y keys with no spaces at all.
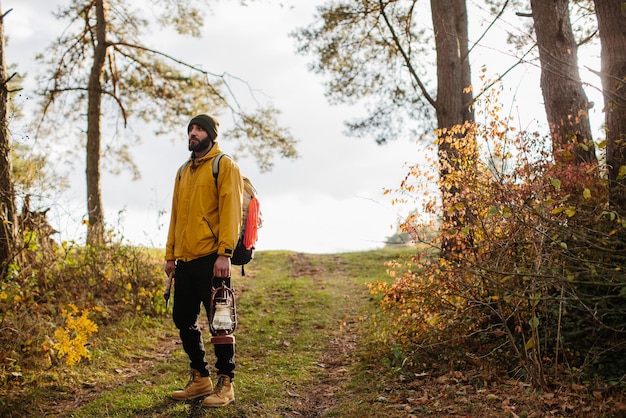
{"x":200,"y":145}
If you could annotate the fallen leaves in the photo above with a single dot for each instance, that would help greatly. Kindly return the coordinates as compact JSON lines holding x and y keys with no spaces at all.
{"x":465,"y":394}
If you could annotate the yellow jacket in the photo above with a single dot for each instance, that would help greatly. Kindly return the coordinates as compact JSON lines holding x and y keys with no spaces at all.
{"x":204,"y":221}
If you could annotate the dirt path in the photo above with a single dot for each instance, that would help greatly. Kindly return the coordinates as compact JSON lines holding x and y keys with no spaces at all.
{"x":333,"y":375}
{"x":333,"y":367}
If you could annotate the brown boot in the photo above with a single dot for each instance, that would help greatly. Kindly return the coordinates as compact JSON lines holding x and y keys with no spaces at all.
{"x":196,"y":387}
{"x":223,"y":394}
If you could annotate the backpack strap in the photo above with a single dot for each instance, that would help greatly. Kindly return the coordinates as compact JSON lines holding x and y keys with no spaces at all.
{"x":181,"y":169}
{"x":216,"y":166}
{"x":216,"y":171}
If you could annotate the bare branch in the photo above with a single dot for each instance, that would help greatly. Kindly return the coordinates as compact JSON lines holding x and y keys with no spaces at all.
{"x":6,"y":13}
{"x":493,"y":22}
{"x":406,"y":57}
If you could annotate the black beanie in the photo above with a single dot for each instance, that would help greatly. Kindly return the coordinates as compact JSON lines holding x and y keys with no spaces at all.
{"x":206,"y":122}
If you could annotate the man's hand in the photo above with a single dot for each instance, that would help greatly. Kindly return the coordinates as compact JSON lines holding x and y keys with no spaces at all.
{"x":221,"y":268}
{"x":170,"y":266}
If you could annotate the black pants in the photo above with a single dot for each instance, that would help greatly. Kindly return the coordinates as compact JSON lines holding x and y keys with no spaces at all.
{"x":192,"y":288}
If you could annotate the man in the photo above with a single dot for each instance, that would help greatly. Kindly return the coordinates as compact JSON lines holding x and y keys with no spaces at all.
{"x":203,"y":232}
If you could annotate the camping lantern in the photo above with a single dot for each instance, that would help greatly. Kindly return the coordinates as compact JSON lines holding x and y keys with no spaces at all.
{"x":222,"y":315}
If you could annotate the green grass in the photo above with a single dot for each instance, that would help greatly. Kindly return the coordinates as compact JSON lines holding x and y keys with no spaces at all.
{"x":290,"y":307}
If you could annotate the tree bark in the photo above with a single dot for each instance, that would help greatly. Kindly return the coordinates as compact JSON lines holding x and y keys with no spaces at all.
{"x":453,"y":70}
{"x":453,"y":108}
{"x":8,"y":215}
{"x":565,"y":101}
{"x":611,"y":15}
{"x":95,"y":230}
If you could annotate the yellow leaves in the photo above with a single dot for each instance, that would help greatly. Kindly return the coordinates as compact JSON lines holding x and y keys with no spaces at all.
{"x":377,"y":287}
{"x":568,"y":210}
{"x":557,"y":210}
{"x":73,"y":338}
{"x":587,"y":193}
{"x":621,"y":173}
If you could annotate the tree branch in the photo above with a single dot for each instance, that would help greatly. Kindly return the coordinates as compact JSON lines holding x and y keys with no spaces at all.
{"x":406,"y":58}
{"x":169,"y":57}
{"x":519,"y":61}
{"x":5,"y":82}
{"x":493,"y":22}
{"x":6,"y":13}
{"x":235,"y":109}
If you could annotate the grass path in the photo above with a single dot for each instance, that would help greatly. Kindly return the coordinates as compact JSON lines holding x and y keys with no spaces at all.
{"x":301,"y":352}
{"x":296,"y":349}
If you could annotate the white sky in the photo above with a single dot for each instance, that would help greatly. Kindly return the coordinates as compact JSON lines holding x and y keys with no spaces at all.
{"x":330,"y":200}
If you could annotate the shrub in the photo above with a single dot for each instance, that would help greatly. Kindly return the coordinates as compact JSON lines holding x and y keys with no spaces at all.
{"x":72,"y":339}
{"x":40,"y":294}
{"x":539,"y":284}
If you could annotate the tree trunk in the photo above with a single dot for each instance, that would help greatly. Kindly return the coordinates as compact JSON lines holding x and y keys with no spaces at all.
{"x":95,"y":230}
{"x":453,"y":107}
{"x":611,"y":15}
{"x":565,"y":101}
{"x":7,"y":191}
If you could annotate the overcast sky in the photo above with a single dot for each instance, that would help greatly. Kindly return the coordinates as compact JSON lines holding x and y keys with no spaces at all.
{"x":329,"y":200}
